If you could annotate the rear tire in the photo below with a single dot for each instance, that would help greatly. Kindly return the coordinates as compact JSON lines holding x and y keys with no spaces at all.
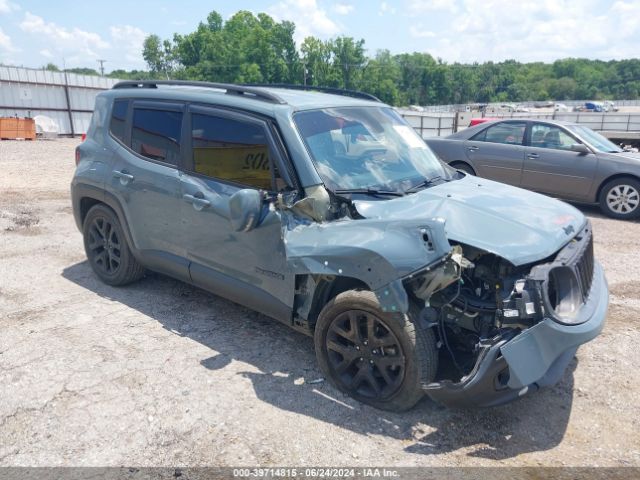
{"x":464,"y":167}
{"x":106,"y":247}
{"x":620,"y":198}
{"x":376,"y":357}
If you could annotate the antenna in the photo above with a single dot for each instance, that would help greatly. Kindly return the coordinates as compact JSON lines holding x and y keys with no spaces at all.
{"x":101,"y":62}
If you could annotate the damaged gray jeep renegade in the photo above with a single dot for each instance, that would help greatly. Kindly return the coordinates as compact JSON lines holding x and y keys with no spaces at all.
{"x":326,"y":211}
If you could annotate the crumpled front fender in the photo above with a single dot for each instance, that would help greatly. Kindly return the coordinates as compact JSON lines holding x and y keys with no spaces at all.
{"x":379,"y":253}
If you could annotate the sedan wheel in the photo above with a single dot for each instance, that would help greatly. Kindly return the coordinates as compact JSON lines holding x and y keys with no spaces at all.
{"x":620,"y":198}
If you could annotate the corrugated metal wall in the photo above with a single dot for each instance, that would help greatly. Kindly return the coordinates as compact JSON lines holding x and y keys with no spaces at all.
{"x":26,"y":92}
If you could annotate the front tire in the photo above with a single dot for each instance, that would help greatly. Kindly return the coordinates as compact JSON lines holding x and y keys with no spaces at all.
{"x":620,"y":198}
{"x":376,"y":357}
{"x":106,"y":247}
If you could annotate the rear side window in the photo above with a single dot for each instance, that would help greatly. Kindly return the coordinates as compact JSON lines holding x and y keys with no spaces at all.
{"x":155,"y":134}
{"x":232,"y":150}
{"x":508,"y":133}
{"x":118,"y":117}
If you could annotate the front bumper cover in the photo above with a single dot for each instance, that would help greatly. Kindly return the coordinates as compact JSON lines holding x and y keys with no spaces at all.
{"x":535,"y":358}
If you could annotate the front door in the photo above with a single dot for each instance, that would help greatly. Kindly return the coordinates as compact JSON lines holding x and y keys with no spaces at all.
{"x":551,"y":167}
{"x":229,"y":152}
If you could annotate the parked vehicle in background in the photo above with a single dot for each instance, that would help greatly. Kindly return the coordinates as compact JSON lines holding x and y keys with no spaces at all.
{"x":610,"y":106}
{"x":561,"y":107}
{"x":330,"y":214}
{"x":543,"y":104}
{"x":561,"y":159}
{"x":590,"y":107}
{"x":479,"y":120}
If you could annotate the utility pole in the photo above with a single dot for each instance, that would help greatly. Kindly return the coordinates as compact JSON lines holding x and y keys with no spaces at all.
{"x":101,"y":62}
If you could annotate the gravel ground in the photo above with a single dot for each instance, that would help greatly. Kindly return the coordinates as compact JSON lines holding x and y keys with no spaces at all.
{"x":162,"y":373}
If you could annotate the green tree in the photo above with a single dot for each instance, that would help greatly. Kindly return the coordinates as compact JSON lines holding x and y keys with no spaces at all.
{"x":158,"y":54}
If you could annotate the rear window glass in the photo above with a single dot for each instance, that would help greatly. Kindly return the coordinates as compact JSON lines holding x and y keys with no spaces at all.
{"x":508,"y":133}
{"x":118,"y":117}
{"x":156,"y":134}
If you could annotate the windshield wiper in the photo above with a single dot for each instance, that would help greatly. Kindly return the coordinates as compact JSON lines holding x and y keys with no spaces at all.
{"x":370,"y":191}
{"x":427,"y":183}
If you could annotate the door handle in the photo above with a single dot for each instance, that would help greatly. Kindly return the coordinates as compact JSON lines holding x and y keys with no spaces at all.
{"x":533,"y":155}
{"x":197,"y":202}
{"x":473,"y":148}
{"x":123,"y":176}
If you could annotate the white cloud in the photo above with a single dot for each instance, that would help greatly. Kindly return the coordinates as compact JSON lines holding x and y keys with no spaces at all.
{"x":343,"y":8}
{"x":46,"y":53}
{"x":385,"y":9}
{"x":7,"y":7}
{"x":6,"y":45}
{"x":538,"y":30}
{"x":423,"y":6}
{"x":76,"y":42}
{"x":418,"y":31}
{"x":309,"y":18}
{"x":129,"y":39}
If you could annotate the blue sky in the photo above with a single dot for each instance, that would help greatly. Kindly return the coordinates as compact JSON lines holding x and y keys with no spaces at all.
{"x":33,"y":33}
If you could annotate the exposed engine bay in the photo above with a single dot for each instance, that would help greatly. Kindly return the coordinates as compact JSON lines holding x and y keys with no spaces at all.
{"x":471,"y":297}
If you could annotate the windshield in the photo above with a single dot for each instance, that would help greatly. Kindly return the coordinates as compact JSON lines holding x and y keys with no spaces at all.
{"x":596,"y":140}
{"x":366,"y":148}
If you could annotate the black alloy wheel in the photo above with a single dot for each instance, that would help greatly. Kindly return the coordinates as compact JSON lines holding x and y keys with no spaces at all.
{"x":104,"y":246}
{"x":364,"y":355}
{"x":107,"y":249}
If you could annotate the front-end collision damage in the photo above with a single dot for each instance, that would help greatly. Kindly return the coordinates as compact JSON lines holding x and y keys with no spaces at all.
{"x":533,"y":333}
{"x":380,"y":254}
{"x":507,"y":328}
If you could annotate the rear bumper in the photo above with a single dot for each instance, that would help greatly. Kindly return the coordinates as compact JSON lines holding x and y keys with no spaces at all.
{"x":535,"y":358}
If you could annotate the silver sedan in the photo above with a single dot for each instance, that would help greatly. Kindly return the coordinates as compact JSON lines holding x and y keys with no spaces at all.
{"x":561,"y":159}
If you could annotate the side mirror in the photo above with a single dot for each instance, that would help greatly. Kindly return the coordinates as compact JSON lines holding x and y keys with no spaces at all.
{"x":580,"y":148}
{"x":245,"y":207}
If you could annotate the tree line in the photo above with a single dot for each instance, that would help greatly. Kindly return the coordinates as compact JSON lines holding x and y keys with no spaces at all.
{"x":250,"y":48}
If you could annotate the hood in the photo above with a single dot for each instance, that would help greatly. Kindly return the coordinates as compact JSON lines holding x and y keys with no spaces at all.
{"x":515,"y":224}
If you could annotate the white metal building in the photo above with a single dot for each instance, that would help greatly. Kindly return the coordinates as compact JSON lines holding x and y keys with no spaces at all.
{"x":67,"y":98}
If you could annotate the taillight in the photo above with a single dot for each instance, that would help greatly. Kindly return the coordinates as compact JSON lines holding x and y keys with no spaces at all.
{"x":83,"y":137}
{"x":77,"y":156}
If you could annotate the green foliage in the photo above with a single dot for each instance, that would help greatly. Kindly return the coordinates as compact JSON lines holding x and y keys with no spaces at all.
{"x":83,"y":71}
{"x":250,"y":48}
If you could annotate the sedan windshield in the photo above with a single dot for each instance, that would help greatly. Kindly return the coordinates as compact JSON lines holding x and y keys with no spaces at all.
{"x":594,"y":139}
{"x":367,"y":148}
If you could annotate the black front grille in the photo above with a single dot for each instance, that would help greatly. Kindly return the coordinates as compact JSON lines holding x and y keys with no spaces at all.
{"x":584,"y":267}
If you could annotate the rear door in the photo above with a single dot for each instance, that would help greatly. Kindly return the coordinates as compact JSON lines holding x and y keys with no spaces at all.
{"x":230,"y":151}
{"x":145,"y":178}
{"x":551,"y":166}
{"x":497,"y":152}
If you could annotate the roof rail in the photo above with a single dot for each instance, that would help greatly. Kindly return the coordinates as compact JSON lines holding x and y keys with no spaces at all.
{"x":332,"y":90}
{"x":231,"y":89}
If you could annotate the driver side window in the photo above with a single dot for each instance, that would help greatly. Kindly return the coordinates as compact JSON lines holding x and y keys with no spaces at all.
{"x":233,"y":150}
{"x":549,"y":136}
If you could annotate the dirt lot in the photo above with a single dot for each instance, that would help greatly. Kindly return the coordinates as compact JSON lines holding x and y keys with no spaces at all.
{"x":161,"y":373}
